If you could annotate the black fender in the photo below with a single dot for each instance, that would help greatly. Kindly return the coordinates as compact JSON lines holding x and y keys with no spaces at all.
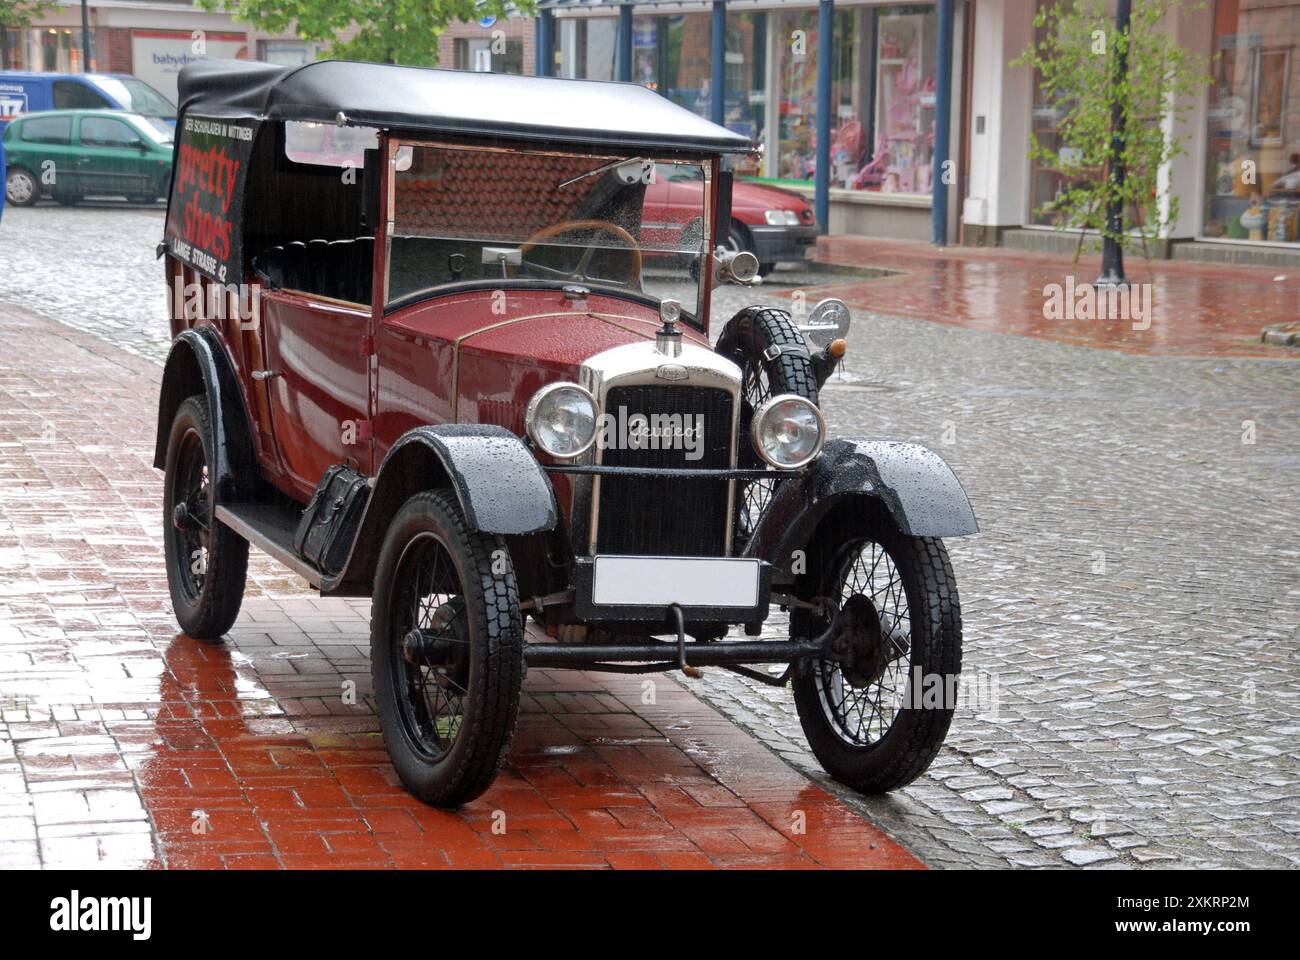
{"x":500,"y":486}
{"x":913,"y":483}
{"x":199,"y":364}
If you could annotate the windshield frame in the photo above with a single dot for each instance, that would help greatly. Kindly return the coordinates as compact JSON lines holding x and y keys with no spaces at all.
{"x":694,"y":314}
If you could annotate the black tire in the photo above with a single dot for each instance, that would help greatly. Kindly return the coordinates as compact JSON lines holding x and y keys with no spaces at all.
{"x":840,"y":703}
{"x":207,"y":562}
{"x":22,"y":188}
{"x":447,"y":710}
{"x":747,"y":340}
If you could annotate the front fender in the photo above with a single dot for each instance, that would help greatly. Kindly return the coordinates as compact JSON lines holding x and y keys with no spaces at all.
{"x":920,"y":491}
{"x":498,"y":482}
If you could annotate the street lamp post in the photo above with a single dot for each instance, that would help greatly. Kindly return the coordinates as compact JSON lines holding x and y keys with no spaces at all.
{"x":1112,"y":255}
{"x":85,"y":36}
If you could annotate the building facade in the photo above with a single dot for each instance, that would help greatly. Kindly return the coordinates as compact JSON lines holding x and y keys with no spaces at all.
{"x":902,"y":120}
{"x":904,"y":77}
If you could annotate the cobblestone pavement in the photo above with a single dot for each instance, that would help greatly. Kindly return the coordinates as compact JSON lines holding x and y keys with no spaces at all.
{"x":1131,"y":603}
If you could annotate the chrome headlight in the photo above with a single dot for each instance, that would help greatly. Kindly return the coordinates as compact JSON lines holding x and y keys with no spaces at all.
{"x":779,"y":218}
{"x":561,"y":419}
{"x":788,"y":431}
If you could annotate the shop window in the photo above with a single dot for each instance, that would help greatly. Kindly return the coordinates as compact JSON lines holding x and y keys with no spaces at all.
{"x":883,"y":94}
{"x":1253,"y":124}
{"x":475,"y":53}
{"x":585,"y":47}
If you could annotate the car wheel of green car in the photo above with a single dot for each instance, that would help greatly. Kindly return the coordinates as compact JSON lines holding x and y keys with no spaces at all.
{"x":446,"y":650}
{"x":21,"y":187}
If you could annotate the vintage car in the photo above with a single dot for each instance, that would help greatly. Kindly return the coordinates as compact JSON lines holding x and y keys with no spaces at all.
{"x":430,"y":350}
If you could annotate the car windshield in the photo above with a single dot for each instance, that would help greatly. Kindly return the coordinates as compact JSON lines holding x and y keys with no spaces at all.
{"x":611,"y":223}
{"x":136,"y":96}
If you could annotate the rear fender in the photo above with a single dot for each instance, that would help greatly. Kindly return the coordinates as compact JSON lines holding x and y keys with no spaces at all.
{"x":198,"y":364}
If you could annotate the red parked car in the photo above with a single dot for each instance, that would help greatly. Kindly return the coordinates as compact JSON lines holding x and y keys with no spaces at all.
{"x":775,"y":225}
{"x":436,"y":344}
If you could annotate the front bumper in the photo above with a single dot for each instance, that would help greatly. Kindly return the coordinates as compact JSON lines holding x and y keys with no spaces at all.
{"x":781,"y":243}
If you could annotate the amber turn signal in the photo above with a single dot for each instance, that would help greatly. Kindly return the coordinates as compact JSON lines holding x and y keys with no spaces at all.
{"x":837,"y":348}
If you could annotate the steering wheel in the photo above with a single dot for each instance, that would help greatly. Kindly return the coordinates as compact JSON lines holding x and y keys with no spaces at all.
{"x":579,"y":272}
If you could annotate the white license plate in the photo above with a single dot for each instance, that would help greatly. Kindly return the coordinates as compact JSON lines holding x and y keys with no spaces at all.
{"x":689,"y":581}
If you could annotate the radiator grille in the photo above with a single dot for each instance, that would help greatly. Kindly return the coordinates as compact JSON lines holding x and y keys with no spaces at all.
{"x":665,"y":515}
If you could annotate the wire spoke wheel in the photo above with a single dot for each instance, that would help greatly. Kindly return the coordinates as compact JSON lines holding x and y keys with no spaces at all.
{"x":863,"y":697}
{"x":190,"y":527}
{"x":207,"y":562}
{"x":446,"y":649}
{"x":876,"y":704}
{"x":430,"y":646}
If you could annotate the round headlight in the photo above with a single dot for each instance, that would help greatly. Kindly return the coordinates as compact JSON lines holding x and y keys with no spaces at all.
{"x":788,"y":431}
{"x":561,"y":419}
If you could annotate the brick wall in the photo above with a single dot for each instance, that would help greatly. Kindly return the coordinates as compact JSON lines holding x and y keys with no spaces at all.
{"x":113,"y":49}
{"x":514,"y":28}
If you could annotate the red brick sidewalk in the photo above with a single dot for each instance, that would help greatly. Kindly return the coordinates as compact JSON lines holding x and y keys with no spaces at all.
{"x":125,"y":744}
{"x":1200,"y":309}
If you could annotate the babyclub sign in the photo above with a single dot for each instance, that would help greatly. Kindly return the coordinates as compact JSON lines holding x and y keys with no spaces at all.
{"x":208,"y":193}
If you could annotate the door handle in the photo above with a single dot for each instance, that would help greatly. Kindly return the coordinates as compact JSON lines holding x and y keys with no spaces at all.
{"x":265,"y":374}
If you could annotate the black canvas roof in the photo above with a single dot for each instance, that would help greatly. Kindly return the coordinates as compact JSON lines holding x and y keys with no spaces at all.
{"x":545,"y":109}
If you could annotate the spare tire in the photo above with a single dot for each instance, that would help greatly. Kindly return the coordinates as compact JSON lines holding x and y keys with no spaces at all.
{"x":773,"y":358}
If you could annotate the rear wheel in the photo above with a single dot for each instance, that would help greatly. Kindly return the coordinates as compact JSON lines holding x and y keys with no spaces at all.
{"x":21,"y":187}
{"x":207,"y":562}
{"x":446,"y":650}
{"x":773,"y":359}
{"x":877,"y":712}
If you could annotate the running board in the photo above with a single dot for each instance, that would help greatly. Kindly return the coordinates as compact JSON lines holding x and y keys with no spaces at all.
{"x":271,"y":529}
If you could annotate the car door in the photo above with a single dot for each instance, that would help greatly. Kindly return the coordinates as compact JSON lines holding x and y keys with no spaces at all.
{"x":318,"y":383}
{"x":112,"y":156}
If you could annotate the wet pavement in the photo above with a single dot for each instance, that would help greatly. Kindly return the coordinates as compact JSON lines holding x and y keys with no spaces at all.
{"x":124,"y":744}
{"x":1131,"y":603}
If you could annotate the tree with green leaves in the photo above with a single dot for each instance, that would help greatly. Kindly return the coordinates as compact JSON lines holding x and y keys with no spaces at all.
{"x":386,"y":31}
{"x":1075,"y":57}
{"x":19,"y":15}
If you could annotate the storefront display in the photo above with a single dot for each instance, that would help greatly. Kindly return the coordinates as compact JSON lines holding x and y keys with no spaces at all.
{"x":882,"y":133}
{"x":1253,"y":123}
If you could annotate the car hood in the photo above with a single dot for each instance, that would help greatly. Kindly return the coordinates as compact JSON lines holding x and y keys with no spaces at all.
{"x":760,"y":196}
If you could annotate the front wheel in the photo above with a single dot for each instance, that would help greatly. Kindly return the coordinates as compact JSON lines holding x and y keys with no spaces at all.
{"x":446,"y":650}
{"x":876,"y":710}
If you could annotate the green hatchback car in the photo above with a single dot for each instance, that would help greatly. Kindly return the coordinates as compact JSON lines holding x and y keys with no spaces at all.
{"x":71,"y":154}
